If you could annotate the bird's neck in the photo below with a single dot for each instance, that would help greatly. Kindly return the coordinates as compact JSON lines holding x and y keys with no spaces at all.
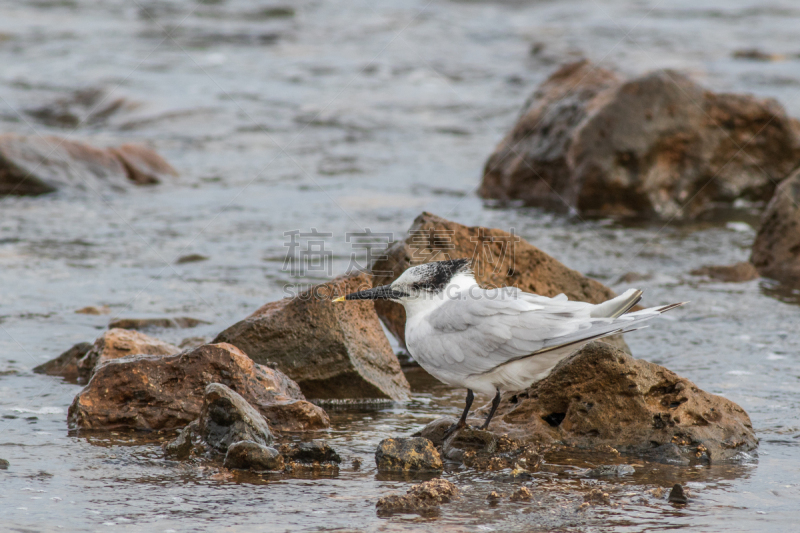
{"x":427,"y":302}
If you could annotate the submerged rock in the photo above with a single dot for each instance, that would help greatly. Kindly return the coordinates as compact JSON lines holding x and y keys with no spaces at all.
{"x":522,"y":494}
{"x":776,"y":249}
{"x":310,"y":452}
{"x":743,"y":271}
{"x":226,"y":418}
{"x":165,"y":392}
{"x":116,"y":343}
{"x":186,"y":442}
{"x":39,"y":165}
{"x":4,"y":464}
{"x":249,"y":455}
{"x":413,"y":454}
{"x":423,"y":499}
{"x":658,"y":145}
{"x":500,"y":259}
{"x":611,"y":471}
{"x":469,"y":439}
{"x":66,"y":364}
{"x":603,"y":397}
{"x":434,"y":431}
{"x":332,"y":351}
{"x":145,"y":323}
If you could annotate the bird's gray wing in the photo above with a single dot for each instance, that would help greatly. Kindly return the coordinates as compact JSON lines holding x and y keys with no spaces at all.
{"x":486,"y":328}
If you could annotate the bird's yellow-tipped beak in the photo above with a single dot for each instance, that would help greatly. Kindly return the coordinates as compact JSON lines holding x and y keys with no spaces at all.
{"x":339,"y":299}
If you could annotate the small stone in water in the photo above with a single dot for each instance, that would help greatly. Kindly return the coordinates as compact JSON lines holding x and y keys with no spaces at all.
{"x":611,"y":470}
{"x":4,"y":464}
{"x":522,"y":494}
{"x":677,"y":495}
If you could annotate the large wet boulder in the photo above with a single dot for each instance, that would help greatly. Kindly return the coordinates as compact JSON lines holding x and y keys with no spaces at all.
{"x":150,"y":392}
{"x":38,"y":165}
{"x":116,"y":343}
{"x":603,"y":397}
{"x":500,"y":259}
{"x":404,"y":455}
{"x":776,"y":249}
{"x":332,"y":350}
{"x":659,"y":146}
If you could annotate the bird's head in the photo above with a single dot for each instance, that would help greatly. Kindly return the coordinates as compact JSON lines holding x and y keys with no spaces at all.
{"x":419,"y":282}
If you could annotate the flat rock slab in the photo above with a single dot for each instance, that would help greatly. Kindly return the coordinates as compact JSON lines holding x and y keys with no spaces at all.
{"x":38,"y":165}
{"x":151,"y":392}
{"x":736,"y":273}
{"x":332,"y":351}
{"x":414,"y":454}
{"x":499,"y":259}
{"x":116,"y":343}
{"x":603,"y":397}
{"x":776,"y":249}
{"x":658,"y":146}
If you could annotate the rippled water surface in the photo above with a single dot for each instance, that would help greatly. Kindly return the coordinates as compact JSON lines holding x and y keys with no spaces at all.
{"x":343,"y":117}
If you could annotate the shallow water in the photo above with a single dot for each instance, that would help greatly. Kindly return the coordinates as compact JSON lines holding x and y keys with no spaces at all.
{"x":345,"y":117}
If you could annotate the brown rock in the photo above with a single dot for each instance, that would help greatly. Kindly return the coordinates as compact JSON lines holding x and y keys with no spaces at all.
{"x":500,"y":259}
{"x":776,"y":249}
{"x":248,"y":455}
{"x":166,"y":392}
{"x":743,"y":271}
{"x":93,"y":310}
{"x":603,"y":397}
{"x":226,"y":417}
{"x":143,"y":165}
{"x":333,"y":351}
{"x":407,"y":455}
{"x":522,"y":494}
{"x":656,"y":146}
{"x":423,"y":499}
{"x":116,"y":343}
{"x":166,"y":323}
{"x":66,"y":364}
{"x":39,"y":165}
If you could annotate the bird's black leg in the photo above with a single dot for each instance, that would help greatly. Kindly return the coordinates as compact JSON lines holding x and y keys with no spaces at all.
{"x":462,"y":422}
{"x":495,"y":403}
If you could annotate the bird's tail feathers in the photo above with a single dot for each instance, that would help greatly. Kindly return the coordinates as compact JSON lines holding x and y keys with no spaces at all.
{"x":618,"y":306}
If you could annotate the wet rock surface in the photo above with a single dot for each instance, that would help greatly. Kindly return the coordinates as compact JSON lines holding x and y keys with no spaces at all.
{"x":4,"y":464}
{"x":226,"y":418}
{"x":310,"y":452}
{"x":434,"y":431}
{"x":147,"y":323}
{"x":677,"y":495}
{"x":500,"y":260}
{"x":249,"y":455}
{"x":401,"y":455}
{"x":469,"y":440}
{"x":658,"y":145}
{"x":166,"y":392}
{"x":66,"y":364}
{"x":737,"y":273}
{"x":39,"y":165}
{"x":776,"y":249}
{"x":423,"y":499}
{"x":611,"y":471}
{"x":116,"y":343}
{"x":602,"y":397}
{"x":332,"y":351}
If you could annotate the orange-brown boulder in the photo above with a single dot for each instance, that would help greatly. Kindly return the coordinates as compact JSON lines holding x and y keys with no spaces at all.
{"x":116,"y":343}
{"x":658,"y":146}
{"x":499,"y":259}
{"x":603,"y":397}
{"x":776,"y":249}
{"x":332,"y":350}
{"x":153,"y":392}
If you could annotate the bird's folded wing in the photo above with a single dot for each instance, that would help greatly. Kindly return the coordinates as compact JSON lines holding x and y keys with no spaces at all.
{"x":487,"y":328}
